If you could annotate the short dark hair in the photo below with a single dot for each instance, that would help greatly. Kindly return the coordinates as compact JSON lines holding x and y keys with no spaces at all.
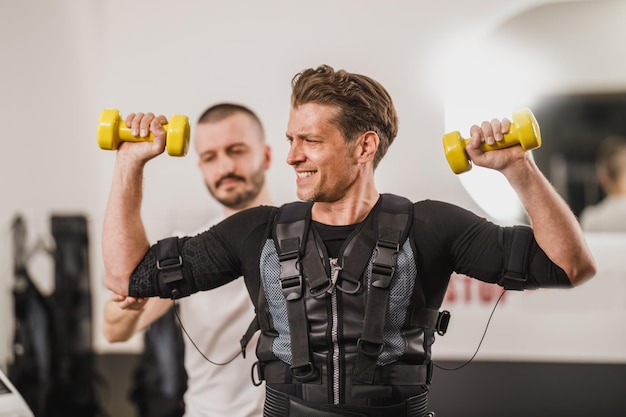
{"x":363,"y":104}
{"x":221,"y":111}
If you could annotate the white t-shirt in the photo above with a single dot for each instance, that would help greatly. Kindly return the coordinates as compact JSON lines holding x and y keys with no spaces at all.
{"x":216,"y":320}
{"x":609,"y":215}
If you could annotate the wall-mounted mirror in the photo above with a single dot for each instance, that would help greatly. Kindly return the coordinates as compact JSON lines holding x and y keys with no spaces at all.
{"x":565,"y":62}
{"x":574,"y":125}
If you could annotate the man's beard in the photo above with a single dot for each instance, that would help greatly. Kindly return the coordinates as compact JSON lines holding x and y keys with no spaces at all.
{"x":242,"y":198}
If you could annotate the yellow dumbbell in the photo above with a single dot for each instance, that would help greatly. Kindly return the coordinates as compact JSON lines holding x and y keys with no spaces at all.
{"x":112,"y":130}
{"x":524,"y":131}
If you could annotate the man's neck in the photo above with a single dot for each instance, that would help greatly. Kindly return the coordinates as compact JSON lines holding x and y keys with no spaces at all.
{"x":345,"y":212}
{"x":262,"y":199}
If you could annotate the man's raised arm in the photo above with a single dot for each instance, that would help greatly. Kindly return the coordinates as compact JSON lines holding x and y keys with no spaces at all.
{"x":124,"y":239}
{"x":555,"y":227}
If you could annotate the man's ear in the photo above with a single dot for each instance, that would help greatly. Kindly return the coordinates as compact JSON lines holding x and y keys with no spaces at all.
{"x":268,"y":157}
{"x":366,"y":146}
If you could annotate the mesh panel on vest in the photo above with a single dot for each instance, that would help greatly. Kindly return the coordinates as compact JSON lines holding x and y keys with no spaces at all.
{"x":270,"y":276}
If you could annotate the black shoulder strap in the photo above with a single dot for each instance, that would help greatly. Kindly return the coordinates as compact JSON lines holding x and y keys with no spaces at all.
{"x":393,"y":223}
{"x":290,"y":235}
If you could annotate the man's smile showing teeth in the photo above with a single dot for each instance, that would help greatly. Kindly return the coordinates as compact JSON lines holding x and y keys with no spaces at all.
{"x":305,"y":174}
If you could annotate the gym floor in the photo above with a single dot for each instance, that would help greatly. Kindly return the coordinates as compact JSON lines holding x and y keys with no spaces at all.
{"x":116,"y":378}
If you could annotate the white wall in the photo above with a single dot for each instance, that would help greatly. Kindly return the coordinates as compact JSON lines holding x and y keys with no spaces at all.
{"x":63,"y":61}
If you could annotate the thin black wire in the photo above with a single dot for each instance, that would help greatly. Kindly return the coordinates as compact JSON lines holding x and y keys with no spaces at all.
{"x":434,"y":364}
{"x":479,"y":343}
{"x":194,"y":343}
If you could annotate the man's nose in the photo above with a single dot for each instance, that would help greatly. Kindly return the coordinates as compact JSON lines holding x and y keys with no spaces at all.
{"x":295,"y":154}
{"x":225,"y":165}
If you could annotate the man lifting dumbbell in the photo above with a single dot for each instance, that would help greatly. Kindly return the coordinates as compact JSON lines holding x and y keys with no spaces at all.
{"x":348,"y":281}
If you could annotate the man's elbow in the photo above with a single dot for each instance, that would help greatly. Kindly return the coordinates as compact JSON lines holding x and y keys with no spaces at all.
{"x":584,"y":272}
{"x":110,"y":337}
{"x":114,"y":337}
{"x":117,"y":283}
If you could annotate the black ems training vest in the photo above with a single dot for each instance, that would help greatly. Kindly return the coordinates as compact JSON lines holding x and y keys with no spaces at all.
{"x":346,"y":329}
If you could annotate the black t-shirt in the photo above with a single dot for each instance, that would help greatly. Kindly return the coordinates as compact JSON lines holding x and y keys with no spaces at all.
{"x":447,"y":239}
{"x":333,"y":236}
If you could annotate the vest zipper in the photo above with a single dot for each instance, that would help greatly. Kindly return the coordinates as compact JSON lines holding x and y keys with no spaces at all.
{"x":335,"y":268}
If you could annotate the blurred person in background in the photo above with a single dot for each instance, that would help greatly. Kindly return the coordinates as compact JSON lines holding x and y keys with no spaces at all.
{"x":609,"y":215}
{"x":233,"y":159}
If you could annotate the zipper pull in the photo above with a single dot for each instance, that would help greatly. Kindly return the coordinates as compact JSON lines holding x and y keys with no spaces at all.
{"x":335,"y":268}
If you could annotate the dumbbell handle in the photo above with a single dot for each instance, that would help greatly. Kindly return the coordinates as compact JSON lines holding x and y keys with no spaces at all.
{"x":508,"y":140}
{"x":126,"y":134}
{"x":112,"y":130}
{"x":519,"y":129}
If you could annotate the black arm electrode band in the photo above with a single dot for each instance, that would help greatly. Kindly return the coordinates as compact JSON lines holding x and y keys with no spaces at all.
{"x":170,"y":276}
{"x":515,"y":271}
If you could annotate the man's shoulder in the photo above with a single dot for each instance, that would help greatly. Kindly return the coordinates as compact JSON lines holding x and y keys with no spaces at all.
{"x":258,"y":212}
{"x":428,"y":204}
{"x":250,"y":218}
{"x":425,"y":203}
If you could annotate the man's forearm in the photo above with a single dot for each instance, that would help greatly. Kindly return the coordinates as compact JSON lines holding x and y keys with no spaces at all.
{"x":119,"y":325}
{"x":124,"y":240}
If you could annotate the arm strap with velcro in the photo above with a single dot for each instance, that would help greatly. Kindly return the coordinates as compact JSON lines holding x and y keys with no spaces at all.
{"x":518,"y":245}
{"x":171,"y":274}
